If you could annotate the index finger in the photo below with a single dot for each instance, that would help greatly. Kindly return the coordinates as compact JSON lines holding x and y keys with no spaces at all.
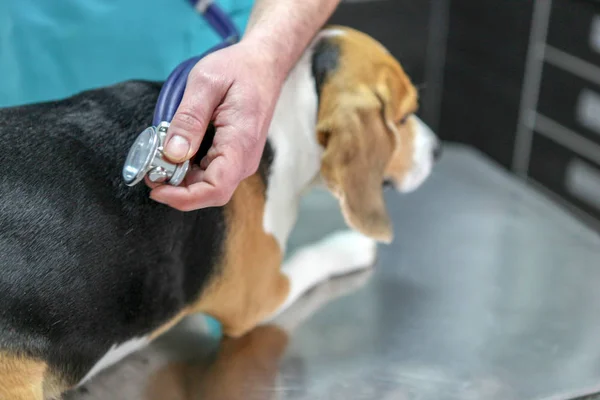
{"x":203,"y":94}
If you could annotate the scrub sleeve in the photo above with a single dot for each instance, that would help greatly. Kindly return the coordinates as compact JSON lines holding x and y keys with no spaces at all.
{"x":51,"y":49}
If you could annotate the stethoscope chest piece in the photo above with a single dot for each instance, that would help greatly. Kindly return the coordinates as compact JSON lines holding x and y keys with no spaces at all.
{"x":146,"y":157}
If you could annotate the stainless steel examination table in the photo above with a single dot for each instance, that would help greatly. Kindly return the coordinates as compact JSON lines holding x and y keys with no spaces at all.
{"x":489,"y":291}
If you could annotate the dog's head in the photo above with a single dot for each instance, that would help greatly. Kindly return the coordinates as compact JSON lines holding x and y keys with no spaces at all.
{"x":368,"y":128}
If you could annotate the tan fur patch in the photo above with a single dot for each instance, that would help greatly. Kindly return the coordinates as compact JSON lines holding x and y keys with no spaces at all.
{"x":363,"y":104}
{"x":21,"y":378}
{"x":249,"y":284}
{"x":401,"y":161}
{"x":365,"y":63}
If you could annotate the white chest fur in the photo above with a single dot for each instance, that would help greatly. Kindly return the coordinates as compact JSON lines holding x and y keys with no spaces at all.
{"x":297,"y":153}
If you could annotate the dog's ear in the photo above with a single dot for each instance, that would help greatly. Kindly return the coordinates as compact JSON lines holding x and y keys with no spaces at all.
{"x":358,"y":145}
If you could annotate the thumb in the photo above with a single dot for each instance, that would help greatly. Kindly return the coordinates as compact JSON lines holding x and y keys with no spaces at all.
{"x":201,"y":97}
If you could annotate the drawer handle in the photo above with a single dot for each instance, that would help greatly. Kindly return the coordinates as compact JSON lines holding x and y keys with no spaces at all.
{"x":595,"y":34}
{"x":583,"y":181}
{"x":588,"y":110}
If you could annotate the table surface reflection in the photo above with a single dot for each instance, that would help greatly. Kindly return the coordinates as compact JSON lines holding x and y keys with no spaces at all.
{"x":489,"y":291}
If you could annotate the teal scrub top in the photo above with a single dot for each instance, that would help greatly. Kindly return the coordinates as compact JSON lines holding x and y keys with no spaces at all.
{"x":51,"y":49}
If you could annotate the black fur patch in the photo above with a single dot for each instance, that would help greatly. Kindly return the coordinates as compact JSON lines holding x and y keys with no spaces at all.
{"x":325,"y":60}
{"x":85,"y":261}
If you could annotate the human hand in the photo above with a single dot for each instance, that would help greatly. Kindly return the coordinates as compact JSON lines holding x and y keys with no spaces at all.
{"x":236,"y":89}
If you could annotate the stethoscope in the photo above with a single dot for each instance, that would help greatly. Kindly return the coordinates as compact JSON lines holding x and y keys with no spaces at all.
{"x":145,"y":156}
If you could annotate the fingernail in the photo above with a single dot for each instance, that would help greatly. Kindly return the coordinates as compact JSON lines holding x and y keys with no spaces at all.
{"x":177,"y":148}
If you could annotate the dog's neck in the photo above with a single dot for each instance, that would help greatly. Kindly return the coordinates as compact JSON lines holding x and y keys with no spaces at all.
{"x":297,"y":154}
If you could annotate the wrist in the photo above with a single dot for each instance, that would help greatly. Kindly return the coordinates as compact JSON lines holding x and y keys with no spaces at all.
{"x":281,"y":30}
{"x":274,"y":54}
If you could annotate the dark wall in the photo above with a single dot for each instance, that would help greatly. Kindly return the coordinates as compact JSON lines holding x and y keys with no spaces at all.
{"x":483,"y":76}
{"x":522,"y":84}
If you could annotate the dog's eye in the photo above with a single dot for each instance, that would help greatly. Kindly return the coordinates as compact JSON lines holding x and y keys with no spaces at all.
{"x":403,"y":120}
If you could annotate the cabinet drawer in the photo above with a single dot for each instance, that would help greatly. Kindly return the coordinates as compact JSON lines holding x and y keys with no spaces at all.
{"x":571,"y":101}
{"x":569,"y":175}
{"x":575,"y":28}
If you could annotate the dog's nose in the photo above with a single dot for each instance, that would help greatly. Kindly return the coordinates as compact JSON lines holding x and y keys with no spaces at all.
{"x":437,"y":151}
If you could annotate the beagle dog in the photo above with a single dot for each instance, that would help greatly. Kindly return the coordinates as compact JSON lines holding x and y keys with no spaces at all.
{"x":92,"y":270}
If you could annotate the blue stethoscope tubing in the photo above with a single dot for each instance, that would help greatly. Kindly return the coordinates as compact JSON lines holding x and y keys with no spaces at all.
{"x":172,"y":90}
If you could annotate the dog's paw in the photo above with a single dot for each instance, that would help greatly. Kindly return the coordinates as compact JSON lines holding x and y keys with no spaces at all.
{"x":324,"y":293}
{"x":338,"y":254}
{"x":348,"y":251}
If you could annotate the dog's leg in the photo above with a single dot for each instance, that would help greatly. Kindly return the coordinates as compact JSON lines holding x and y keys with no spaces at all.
{"x":337,"y":254}
{"x":318,"y":297}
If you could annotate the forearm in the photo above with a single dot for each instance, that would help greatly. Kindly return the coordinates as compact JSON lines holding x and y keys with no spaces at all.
{"x":283,"y":28}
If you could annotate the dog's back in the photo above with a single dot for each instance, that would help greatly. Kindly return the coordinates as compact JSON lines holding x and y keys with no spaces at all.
{"x":78,"y":272}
